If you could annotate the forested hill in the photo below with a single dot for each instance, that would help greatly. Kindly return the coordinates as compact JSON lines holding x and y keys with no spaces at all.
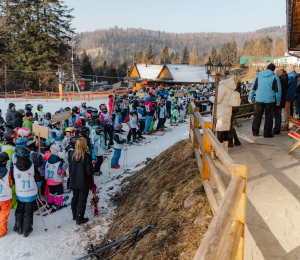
{"x":118,"y":44}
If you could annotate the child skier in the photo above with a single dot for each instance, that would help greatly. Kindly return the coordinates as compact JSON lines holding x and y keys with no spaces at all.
{"x":75,"y":115}
{"x":69,"y":133}
{"x":6,"y":193}
{"x":99,"y":149}
{"x":47,"y":121}
{"x":105,"y":120}
{"x":175,"y":115}
{"x":118,"y":145}
{"x":27,"y":180}
{"x":53,"y":173}
{"x":142,"y":115}
{"x":117,"y":116}
{"x":132,"y":122}
{"x":161,"y":114}
{"x":182,"y":111}
{"x":39,"y":114}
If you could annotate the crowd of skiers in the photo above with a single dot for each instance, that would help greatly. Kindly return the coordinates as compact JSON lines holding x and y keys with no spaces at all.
{"x":75,"y":150}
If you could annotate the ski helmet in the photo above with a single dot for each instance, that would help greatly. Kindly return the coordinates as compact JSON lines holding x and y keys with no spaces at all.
{"x":118,"y":109}
{"x":69,"y":130}
{"x":102,"y":107}
{"x":118,"y":127}
{"x":94,"y":115}
{"x":94,"y":110}
{"x":83,"y":103}
{"x":78,"y":123}
{"x":48,"y":115}
{"x":84,"y":130}
{"x":57,"y":112}
{"x":22,"y":152}
{"x":75,"y":109}
{"x":49,"y":142}
{"x":21,"y":111}
{"x":99,"y":130}
{"x":39,"y":106}
{"x":4,"y":158}
{"x":21,"y":142}
{"x":133,"y":112}
{"x":28,"y":107}
{"x":31,"y":144}
{"x":73,"y":140}
{"x":16,"y":129}
{"x":9,"y":136}
{"x":89,"y":110}
{"x":67,"y":109}
{"x":24,"y":132}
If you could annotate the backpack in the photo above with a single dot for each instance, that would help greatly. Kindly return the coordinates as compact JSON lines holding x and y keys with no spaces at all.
{"x":235,"y":99}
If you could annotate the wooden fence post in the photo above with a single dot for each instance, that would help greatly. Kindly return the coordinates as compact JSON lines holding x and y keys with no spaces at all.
{"x":196,"y":125}
{"x":206,"y":149}
{"x":240,"y":169}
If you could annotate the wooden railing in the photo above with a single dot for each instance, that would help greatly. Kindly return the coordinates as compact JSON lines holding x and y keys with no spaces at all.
{"x":224,"y":239}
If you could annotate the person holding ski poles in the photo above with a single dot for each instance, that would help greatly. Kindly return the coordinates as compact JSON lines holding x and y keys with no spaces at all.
{"x":81,"y":172}
{"x":132,"y":122}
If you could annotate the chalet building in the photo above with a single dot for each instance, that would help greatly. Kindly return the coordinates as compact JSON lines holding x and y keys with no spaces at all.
{"x":167,"y":74}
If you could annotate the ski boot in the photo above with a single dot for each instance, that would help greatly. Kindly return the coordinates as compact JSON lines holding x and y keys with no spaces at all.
{"x":129,"y":142}
{"x":57,"y":207}
{"x":135,"y":141}
{"x":49,"y":206}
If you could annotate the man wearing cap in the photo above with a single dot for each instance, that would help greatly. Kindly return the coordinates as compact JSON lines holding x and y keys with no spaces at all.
{"x":10,"y":116}
{"x":268,"y":93}
{"x":290,"y":97}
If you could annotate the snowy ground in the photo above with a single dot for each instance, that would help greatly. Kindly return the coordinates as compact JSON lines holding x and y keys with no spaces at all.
{"x":68,"y":241}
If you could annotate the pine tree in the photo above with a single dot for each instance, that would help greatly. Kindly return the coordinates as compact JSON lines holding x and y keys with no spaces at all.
{"x":86,"y":65}
{"x":149,"y":56}
{"x":165,"y":58}
{"x":172,"y":57}
{"x":185,"y":58}
{"x":100,"y":62}
{"x":39,"y":31}
{"x":176,"y":58}
{"x":213,"y":55}
{"x":194,"y":56}
{"x":139,"y":57}
{"x":134,"y":59}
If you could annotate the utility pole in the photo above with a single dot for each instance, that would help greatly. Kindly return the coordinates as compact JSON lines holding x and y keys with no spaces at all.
{"x":72,"y":44}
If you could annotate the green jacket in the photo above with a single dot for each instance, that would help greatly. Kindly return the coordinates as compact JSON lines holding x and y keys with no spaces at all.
{"x":9,"y":149}
{"x":27,"y":123}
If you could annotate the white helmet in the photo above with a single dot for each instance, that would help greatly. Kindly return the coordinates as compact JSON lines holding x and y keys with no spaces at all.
{"x":24,"y":132}
{"x":83,"y":102}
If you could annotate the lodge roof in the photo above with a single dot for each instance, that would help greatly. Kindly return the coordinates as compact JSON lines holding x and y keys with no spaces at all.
{"x":173,"y":73}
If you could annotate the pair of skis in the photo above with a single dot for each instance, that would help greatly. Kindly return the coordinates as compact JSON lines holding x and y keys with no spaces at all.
{"x":95,"y":199}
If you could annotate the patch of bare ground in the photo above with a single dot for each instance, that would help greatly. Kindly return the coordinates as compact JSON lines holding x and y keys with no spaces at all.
{"x":167,"y":193}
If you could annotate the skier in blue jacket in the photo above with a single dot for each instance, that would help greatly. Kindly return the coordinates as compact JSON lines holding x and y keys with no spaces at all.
{"x":268,"y":93}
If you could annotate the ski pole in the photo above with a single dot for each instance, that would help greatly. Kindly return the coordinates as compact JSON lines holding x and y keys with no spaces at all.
{"x":64,"y":193}
{"x":48,"y":212}
{"x":108,"y":164}
{"x":41,"y":214}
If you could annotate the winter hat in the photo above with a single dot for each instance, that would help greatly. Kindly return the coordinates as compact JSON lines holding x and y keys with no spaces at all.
{"x":10,"y":105}
{"x":21,"y":111}
{"x":118,"y":126}
{"x":271,"y":66}
{"x":55,"y":149}
{"x":290,"y":68}
{"x":28,"y":114}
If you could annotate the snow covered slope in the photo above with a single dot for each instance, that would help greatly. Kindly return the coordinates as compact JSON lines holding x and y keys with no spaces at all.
{"x":67,"y":242}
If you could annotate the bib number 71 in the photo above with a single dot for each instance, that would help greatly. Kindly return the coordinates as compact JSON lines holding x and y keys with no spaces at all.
{"x":24,"y":184}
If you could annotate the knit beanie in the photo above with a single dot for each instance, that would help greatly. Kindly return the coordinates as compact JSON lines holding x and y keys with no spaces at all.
{"x":10,"y":105}
{"x":55,"y":149}
{"x":28,"y":114}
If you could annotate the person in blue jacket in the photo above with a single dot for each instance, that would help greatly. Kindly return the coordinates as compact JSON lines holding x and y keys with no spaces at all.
{"x":163,"y":93}
{"x":268,"y":94}
{"x":117,"y":116}
{"x":290,"y":97}
{"x":27,"y":180}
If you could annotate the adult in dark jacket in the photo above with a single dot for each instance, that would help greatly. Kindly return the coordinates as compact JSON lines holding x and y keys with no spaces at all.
{"x":10,"y":116}
{"x":268,"y":93}
{"x":81,"y":179}
{"x":19,"y":118}
{"x":298,"y":100}
{"x":284,"y":80}
{"x":2,"y":122}
{"x":290,"y":97}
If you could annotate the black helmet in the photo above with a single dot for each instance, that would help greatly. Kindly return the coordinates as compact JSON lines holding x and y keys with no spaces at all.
{"x":48,"y":114}
{"x":98,"y":130}
{"x":22,"y":152}
{"x":57,"y":112}
{"x":3,"y":158}
{"x":89,"y":110}
{"x":28,"y":107}
{"x":67,"y":109}
{"x":84,"y":130}
{"x":9,"y":136}
{"x":1,"y":134}
{"x":118,"y":109}
{"x":94,"y":110}
{"x":73,"y":140}
{"x":133,"y":112}
{"x":94,"y":115}
{"x":75,"y":109}
{"x":39,"y":106}
{"x":31,"y":143}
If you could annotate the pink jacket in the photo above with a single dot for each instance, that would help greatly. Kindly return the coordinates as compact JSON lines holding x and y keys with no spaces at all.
{"x":104,"y":117}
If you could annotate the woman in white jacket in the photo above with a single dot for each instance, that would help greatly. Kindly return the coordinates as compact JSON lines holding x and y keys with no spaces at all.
{"x":224,"y":111}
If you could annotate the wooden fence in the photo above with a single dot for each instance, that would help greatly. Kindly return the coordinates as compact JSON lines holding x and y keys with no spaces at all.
{"x":224,"y":239}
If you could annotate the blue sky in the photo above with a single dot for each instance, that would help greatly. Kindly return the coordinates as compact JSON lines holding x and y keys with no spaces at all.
{"x":178,"y":15}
